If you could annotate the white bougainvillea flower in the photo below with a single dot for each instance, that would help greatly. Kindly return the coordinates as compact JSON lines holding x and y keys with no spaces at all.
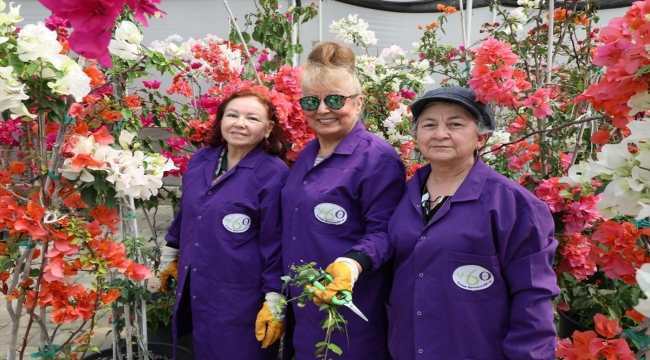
{"x":639,"y":130}
{"x":129,"y":32}
{"x":75,"y":82}
{"x":639,"y":102}
{"x":393,"y":51}
{"x":125,"y":139}
{"x":10,"y":18}
{"x":11,"y":96}
{"x":37,"y":41}
{"x":123,"y":49}
{"x":643,"y":279}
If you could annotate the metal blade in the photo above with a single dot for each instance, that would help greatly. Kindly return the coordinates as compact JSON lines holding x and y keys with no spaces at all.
{"x":356,"y":310}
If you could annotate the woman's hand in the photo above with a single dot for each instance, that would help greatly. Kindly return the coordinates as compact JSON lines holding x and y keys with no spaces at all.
{"x":269,"y":325}
{"x":345,"y":272}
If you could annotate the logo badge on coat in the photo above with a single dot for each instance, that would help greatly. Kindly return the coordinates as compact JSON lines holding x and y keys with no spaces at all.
{"x":237,"y":223}
{"x":329,"y":213}
{"x":473,"y":277}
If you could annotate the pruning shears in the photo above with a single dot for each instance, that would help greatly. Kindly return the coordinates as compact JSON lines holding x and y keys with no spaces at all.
{"x":343,"y":297}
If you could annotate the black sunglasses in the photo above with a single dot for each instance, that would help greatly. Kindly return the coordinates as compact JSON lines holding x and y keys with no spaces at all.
{"x":334,"y":102}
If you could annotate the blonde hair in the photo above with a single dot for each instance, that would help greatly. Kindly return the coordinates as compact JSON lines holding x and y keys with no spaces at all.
{"x":330,"y":65}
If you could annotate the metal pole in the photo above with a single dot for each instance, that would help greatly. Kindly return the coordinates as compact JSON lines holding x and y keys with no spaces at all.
{"x":468,"y":24}
{"x":294,"y":35}
{"x":241,"y":38}
{"x":320,"y":20}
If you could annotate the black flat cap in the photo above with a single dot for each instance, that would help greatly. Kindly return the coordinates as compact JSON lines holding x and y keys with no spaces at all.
{"x":458,"y":95}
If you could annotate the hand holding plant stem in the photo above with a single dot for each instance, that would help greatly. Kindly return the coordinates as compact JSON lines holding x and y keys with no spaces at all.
{"x":303,"y":276}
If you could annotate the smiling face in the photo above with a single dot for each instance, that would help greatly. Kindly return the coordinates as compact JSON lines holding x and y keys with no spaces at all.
{"x":332,"y":125}
{"x":245,"y":123}
{"x":446,"y":135}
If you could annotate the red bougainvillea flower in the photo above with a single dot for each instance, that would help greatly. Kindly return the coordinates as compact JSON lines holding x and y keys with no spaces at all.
{"x":611,"y":349}
{"x":105,"y":216}
{"x":605,"y":327}
{"x":600,"y":137}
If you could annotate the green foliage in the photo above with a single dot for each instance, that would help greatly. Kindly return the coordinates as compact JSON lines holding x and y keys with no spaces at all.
{"x":302,"y":277}
{"x":272,"y":29}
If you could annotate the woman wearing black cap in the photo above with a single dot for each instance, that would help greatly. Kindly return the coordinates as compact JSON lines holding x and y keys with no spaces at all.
{"x":474,"y":250}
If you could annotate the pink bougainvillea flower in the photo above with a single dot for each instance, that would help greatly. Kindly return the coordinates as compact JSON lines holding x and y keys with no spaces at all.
{"x":53,"y":22}
{"x":153,"y":84}
{"x":539,"y":103}
{"x":54,"y":270}
{"x":145,"y":7}
{"x":91,"y":21}
{"x":137,"y":272}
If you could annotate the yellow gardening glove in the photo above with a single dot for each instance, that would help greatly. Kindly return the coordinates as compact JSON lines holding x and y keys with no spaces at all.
{"x":344,"y":278}
{"x":268,"y":328}
{"x":171,"y":270}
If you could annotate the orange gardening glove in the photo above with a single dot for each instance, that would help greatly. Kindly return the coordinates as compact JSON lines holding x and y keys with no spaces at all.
{"x":170,"y":271}
{"x":268,"y":328}
{"x":342,"y":276}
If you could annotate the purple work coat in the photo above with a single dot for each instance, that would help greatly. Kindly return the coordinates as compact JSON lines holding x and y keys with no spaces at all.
{"x":476,"y":282}
{"x":229,"y":236}
{"x":362,"y":181}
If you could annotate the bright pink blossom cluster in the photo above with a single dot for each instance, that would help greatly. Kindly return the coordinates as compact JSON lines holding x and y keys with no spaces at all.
{"x":579,"y":211}
{"x":624,"y":51}
{"x":10,"y":132}
{"x":92,"y":21}
{"x":180,"y":157}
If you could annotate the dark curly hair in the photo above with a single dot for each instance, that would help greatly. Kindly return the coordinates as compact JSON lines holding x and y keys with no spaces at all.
{"x":277,"y":143}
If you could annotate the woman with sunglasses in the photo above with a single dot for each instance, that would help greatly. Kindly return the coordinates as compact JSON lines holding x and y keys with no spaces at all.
{"x":336,"y":205}
{"x":224,"y":244}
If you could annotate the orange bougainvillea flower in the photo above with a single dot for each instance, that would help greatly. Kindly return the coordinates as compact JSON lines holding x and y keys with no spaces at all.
{"x":13,"y":295}
{"x":95,"y":75}
{"x":17,"y":167}
{"x":51,"y":127}
{"x":137,"y":272}
{"x":133,"y":101}
{"x":74,"y":201}
{"x":635,"y":315}
{"x":81,"y":128}
{"x":82,"y":160}
{"x":110,"y":296}
{"x":111,"y":116}
{"x":103,"y":137}
{"x":4,"y":276}
{"x":600,"y":137}
{"x":605,"y":327}
{"x":105,"y":216}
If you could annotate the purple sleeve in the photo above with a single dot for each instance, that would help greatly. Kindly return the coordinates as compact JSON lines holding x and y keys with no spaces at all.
{"x":532,"y":285}
{"x":270,"y":236}
{"x":381,"y":191}
{"x":173,"y":237}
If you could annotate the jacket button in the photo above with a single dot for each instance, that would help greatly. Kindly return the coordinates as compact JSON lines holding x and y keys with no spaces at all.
{"x":304,"y":182}
{"x":186,"y":267}
{"x":293,"y":238}
{"x":421,"y":238}
{"x":194,"y":269}
{"x":420,"y":351}
{"x":196,"y":244}
{"x":296,"y":209}
{"x":199,"y":217}
{"x":194,"y":297}
{"x":421,"y":274}
{"x":419,"y":312}
{"x":209,"y":192}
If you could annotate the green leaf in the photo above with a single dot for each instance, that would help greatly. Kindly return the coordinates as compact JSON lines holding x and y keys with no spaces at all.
{"x":335,"y":349}
{"x":15,"y":61}
{"x":34,"y":272}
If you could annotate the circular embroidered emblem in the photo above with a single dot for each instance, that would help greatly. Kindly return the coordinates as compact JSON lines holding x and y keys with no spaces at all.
{"x":329,"y":213}
{"x":237,"y":223}
{"x":473,"y":277}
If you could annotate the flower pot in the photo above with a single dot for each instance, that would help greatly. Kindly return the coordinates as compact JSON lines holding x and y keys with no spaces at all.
{"x":566,"y":326}
{"x":159,"y":351}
